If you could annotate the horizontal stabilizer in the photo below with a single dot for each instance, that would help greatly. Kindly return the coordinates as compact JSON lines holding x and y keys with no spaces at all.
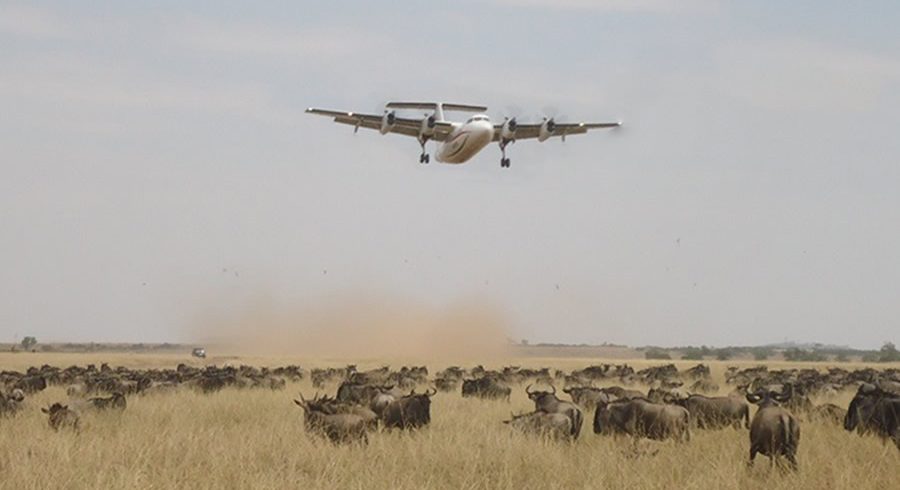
{"x":433,"y":105}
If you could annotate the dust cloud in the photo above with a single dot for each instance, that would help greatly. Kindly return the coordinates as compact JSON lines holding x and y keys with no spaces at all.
{"x":356,"y":326}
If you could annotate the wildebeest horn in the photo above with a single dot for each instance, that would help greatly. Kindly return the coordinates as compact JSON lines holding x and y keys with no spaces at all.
{"x":430,"y":392}
{"x":527,"y":388}
{"x":553,"y":388}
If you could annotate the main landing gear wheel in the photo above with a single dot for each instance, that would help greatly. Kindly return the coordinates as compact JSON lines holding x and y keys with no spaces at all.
{"x":504,"y":162}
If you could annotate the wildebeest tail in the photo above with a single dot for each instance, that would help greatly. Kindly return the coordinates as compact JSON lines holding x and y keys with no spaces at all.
{"x":746,"y":417}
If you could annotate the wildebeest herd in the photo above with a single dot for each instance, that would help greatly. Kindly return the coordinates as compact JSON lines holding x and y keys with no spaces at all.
{"x":365,"y":402}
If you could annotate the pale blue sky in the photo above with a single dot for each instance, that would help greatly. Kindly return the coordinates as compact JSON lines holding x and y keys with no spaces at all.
{"x":752,"y":196}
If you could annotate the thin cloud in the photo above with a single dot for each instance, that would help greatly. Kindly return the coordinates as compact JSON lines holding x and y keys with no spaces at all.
{"x":635,"y":6}
{"x":32,"y":22}
{"x":254,"y":39}
{"x":798,"y":74}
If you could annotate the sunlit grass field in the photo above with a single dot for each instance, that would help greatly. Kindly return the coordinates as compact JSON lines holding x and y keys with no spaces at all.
{"x":255,"y":439}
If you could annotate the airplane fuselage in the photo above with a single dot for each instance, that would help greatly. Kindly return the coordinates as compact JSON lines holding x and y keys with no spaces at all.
{"x":466,"y":140}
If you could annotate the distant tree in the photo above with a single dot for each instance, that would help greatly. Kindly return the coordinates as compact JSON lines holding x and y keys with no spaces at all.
{"x":656,"y":353}
{"x":692,"y":354}
{"x":871,"y":357}
{"x":524,"y":342}
{"x":29,"y":342}
{"x":841,"y":357}
{"x":795,"y":354}
{"x":724,"y":354}
{"x":889,"y":353}
{"x":761,"y":354}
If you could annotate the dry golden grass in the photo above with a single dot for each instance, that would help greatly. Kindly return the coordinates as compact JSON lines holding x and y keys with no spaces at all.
{"x":255,"y":439}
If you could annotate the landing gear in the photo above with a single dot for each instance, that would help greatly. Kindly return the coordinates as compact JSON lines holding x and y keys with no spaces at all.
{"x":504,"y":162}
{"x":424,"y":157}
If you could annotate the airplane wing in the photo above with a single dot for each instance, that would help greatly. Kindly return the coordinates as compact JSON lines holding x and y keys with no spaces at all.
{"x":402,"y":125}
{"x":529,"y":131}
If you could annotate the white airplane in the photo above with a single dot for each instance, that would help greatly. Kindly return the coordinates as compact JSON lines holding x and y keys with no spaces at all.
{"x":458,"y":141}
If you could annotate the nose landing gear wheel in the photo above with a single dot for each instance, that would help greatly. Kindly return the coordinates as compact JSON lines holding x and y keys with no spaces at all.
{"x":424,"y":158}
{"x":504,"y":163}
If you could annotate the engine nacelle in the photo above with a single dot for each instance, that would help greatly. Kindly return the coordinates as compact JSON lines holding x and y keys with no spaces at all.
{"x":547,"y":129}
{"x":508,"y":130}
{"x":387,"y":122}
{"x":428,"y":125}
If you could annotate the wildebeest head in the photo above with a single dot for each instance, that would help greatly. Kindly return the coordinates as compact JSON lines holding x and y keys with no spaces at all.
{"x":541,"y":398}
{"x":56,"y":407}
{"x":764,"y":397}
{"x":16,"y":395}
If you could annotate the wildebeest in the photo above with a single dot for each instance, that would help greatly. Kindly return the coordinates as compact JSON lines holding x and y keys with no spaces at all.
{"x":546,"y":401}
{"x":485,"y":387}
{"x":360,"y":393}
{"x":115,"y":401}
{"x":61,"y":417}
{"x":12,"y":402}
{"x":639,"y":417}
{"x":587,"y":396}
{"x":409,"y":412}
{"x":828,"y":412}
{"x":338,"y":427}
{"x":622,"y":393}
{"x":717,"y":412}
{"x":31,"y":384}
{"x":552,"y":425}
{"x":774,"y":431}
{"x":874,"y":410}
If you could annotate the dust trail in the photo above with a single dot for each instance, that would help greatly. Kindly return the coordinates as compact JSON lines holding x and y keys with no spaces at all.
{"x":357,"y":325}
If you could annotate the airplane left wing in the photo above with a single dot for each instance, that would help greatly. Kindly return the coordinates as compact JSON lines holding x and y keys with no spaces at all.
{"x":530,"y":131}
{"x":404,"y":126}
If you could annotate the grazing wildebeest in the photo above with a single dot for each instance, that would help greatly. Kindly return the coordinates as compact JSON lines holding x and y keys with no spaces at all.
{"x":587,"y":396}
{"x":828,"y":412}
{"x":546,"y":401}
{"x":717,"y":412}
{"x":31,"y":384}
{"x":409,"y":412}
{"x":360,"y":393}
{"x":115,"y":401}
{"x":338,"y":427}
{"x":874,"y":410}
{"x":639,"y":417}
{"x":61,"y":417}
{"x":774,"y":431}
{"x":552,"y":425}
{"x":446,"y":384}
{"x":487,"y":388}
{"x":622,"y":393}
{"x":380,"y":402}
{"x":667,"y":395}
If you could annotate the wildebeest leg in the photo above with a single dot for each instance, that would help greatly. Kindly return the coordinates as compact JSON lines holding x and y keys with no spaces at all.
{"x":792,"y":459}
{"x":753,"y":451}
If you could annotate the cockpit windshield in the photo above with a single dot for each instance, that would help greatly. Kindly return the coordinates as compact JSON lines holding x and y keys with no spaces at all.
{"x":479,"y":117}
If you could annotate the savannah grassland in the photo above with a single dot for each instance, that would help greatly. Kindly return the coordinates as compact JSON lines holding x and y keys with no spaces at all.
{"x":255,"y":439}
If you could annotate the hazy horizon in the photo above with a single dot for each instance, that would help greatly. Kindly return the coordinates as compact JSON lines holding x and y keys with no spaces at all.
{"x":160,"y":178}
